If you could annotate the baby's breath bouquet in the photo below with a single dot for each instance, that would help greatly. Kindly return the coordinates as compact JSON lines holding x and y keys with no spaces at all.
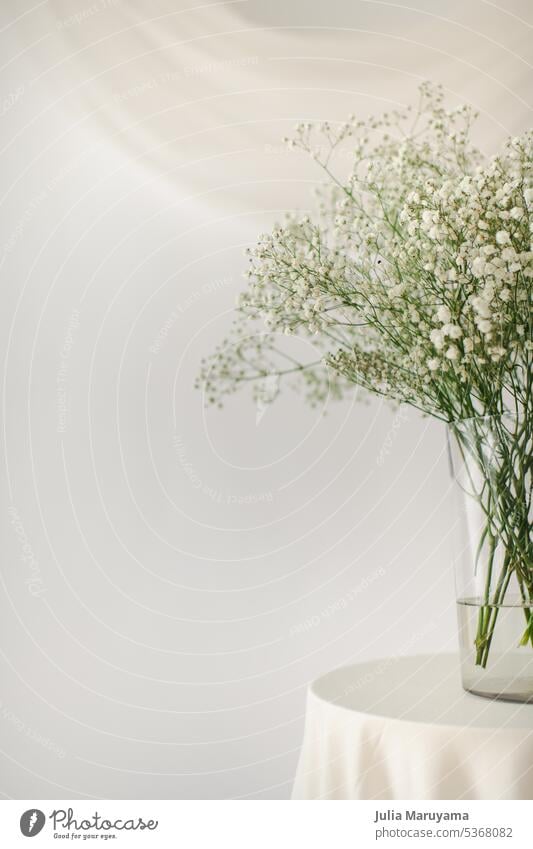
{"x":412,"y":280}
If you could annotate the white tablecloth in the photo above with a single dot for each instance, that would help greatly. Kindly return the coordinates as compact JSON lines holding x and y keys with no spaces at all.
{"x":403,"y":728}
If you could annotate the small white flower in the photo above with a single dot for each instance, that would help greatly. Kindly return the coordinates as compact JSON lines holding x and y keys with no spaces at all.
{"x":444,"y":314}
{"x":452,"y":352}
{"x":453,"y":331}
{"x":478,"y":266}
{"x":396,"y":291}
{"x":487,"y":295}
{"x":485,"y":326}
{"x":437,"y":337}
{"x":433,"y":364}
{"x":508,"y":254}
{"x":481,"y":307}
{"x":502,"y":237}
{"x":468,"y":345}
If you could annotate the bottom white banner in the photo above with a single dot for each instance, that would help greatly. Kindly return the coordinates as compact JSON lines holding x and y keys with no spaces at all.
{"x":258,"y":824}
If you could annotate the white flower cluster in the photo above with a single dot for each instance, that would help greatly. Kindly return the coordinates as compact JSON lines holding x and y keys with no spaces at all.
{"x":414,"y":279}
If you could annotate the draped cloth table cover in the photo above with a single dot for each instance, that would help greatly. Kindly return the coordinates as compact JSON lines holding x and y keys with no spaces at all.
{"x":403,"y":728}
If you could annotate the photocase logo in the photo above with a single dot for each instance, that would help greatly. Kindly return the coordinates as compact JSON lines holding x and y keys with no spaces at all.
{"x":32,"y":822}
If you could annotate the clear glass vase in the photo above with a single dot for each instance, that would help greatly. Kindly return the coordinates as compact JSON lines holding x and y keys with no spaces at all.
{"x":491,"y":462}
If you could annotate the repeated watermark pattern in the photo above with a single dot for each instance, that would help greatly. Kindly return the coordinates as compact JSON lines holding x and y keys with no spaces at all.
{"x":183,"y":306}
{"x":85,"y":14}
{"x":10,"y":100}
{"x":267,"y":392}
{"x":385,"y":665}
{"x":33,"y":207}
{"x":336,"y":606}
{"x":168,"y":77}
{"x":63,"y":407}
{"x":211,"y":492}
{"x":31,"y":733}
{"x":399,"y":418}
{"x":169,"y":671}
{"x":34,"y":579}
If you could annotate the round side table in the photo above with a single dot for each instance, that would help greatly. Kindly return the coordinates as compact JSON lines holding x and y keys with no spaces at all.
{"x":403,"y":728}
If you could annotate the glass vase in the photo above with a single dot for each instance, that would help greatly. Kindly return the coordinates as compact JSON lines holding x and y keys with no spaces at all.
{"x":491,"y":461}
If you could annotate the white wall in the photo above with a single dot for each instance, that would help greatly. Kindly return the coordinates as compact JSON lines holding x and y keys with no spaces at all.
{"x":173,"y":576}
